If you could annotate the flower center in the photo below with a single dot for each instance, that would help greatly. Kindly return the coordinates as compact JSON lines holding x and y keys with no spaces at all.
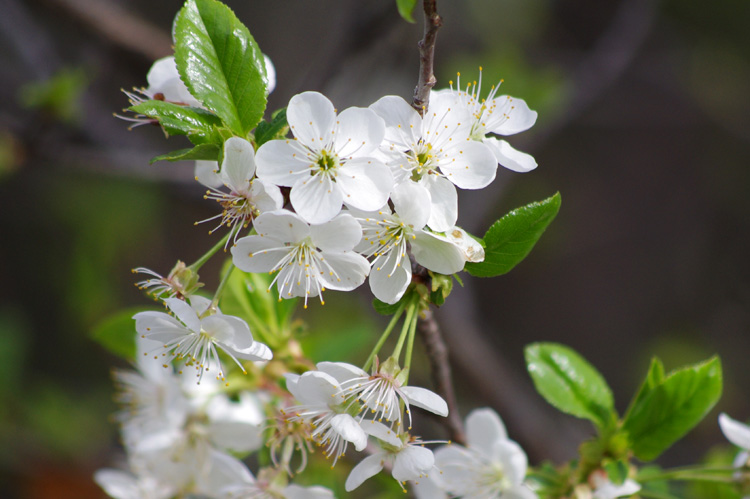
{"x":422,"y":160}
{"x":327,"y":161}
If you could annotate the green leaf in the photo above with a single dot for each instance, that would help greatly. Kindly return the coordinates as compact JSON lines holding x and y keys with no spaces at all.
{"x":117,"y":333}
{"x":569,"y":383}
{"x":180,"y":120}
{"x":512,"y":237}
{"x":617,"y":470}
{"x":276,"y":129}
{"x":654,"y":378}
{"x":209,"y":152}
{"x":384,"y":308}
{"x":221,"y":64}
{"x":672,"y":408}
{"x":405,"y":8}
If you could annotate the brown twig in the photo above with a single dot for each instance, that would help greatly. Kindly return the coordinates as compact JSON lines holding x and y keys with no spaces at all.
{"x":432,"y":23}
{"x":437,"y":353}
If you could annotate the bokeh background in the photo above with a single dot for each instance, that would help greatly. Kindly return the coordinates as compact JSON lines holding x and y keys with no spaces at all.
{"x":644,"y":128}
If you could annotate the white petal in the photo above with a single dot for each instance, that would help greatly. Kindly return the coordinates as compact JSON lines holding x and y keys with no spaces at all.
{"x":255,"y":352}
{"x":295,"y":491}
{"x":609,"y":490}
{"x":446,"y":122}
{"x":519,"y":492}
{"x":236,"y":436}
{"x":266,"y":196}
{"x":736,"y":432}
{"x":368,"y":467}
{"x":200,"y":304}
{"x":207,"y":173}
{"x":314,"y":388}
{"x":257,"y":254}
{"x":226,"y":471}
{"x":359,"y":132}
{"x":437,"y":253}
{"x":513,"y":459}
{"x":117,"y":484}
{"x":509,"y":157}
{"x":470,"y":247}
{"x":443,"y":202}
{"x":148,"y":322}
{"x":162,"y":71}
{"x":388,"y":282}
{"x":316,"y":199}
{"x":426,"y":399}
{"x":472,"y":165}
{"x":282,"y":225}
{"x":270,"y":74}
{"x":510,"y":115}
{"x":350,"y":430}
{"x":382,"y":432}
{"x":483,"y":428}
{"x":185,"y":313}
{"x":341,"y":371}
{"x":344,"y":271}
{"x":365,"y":183}
{"x":403,"y":124}
{"x":428,"y":488}
{"x":340,"y":234}
{"x":412,"y":202}
{"x":283,"y":162}
{"x":412,"y":463}
{"x":238,"y":165}
{"x":311,"y":118}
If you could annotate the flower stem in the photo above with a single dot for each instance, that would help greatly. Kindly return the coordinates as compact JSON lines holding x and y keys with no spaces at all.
{"x":697,"y":472}
{"x":410,"y":344}
{"x":220,"y":288}
{"x":384,"y":336}
{"x":195,"y":267}
{"x":410,"y":317}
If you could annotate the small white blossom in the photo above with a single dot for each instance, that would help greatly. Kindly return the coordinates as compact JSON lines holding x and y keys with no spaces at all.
{"x":247,"y":197}
{"x":329,"y":161}
{"x":307,"y":259}
{"x":435,"y":152}
{"x":604,"y":488}
{"x":490,"y":467}
{"x":386,"y":236}
{"x":739,"y":434}
{"x":123,"y":485}
{"x":196,"y":336}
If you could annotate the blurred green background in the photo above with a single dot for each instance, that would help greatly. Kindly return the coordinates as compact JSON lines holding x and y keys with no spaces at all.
{"x":644,"y":127}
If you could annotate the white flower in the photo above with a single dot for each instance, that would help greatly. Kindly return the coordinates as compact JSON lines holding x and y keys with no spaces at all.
{"x":739,"y":434}
{"x":407,"y":456}
{"x":164,"y":83}
{"x":386,"y":235}
{"x":307,"y":258}
{"x":504,"y":115}
{"x":329,"y":162}
{"x":490,"y":467}
{"x":207,"y":173}
{"x":436,"y":152}
{"x":382,"y":392}
{"x":603,"y":488}
{"x":247,"y":198}
{"x":197,"y":337}
{"x":323,"y":407}
{"x":470,"y":247}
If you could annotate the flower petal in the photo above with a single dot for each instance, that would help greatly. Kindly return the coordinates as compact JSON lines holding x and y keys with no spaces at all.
{"x":344,"y":271}
{"x":412,"y":463}
{"x":266,"y":196}
{"x":472,"y":165}
{"x":185,"y":313}
{"x":295,"y":491}
{"x":509,"y":157}
{"x":412,"y":202}
{"x":368,"y":467}
{"x":510,"y":115}
{"x":311,"y":118}
{"x":359,"y":131}
{"x":282,"y":225}
{"x":283,"y":162}
{"x":340,"y":234}
{"x":365,"y":183}
{"x":403,"y":124}
{"x":483,"y":428}
{"x":207,"y":173}
{"x":341,"y":371}
{"x":258,"y":254}
{"x":350,"y":430}
{"x":388,"y":282}
{"x":316,"y":388}
{"x":426,"y":399}
{"x":513,"y":460}
{"x":736,"y":432}
{"x":236,"y":436}
{"x":238,"y":166}
{"x":443,"y":202}
{"x":118,"y":484}
{"x":316,"y":199}
{"x":437,"y":253}
{"x":382,"y":432}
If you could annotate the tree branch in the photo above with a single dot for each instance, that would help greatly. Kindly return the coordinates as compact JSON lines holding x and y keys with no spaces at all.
{"x":432,"y":23}
{"x":437,"y":352}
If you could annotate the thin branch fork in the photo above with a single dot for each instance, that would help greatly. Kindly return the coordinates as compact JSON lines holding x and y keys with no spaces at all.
{"x":432,"y":23}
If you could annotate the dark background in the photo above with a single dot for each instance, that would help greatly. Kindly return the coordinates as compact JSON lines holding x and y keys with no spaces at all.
{"x":643,"y":127}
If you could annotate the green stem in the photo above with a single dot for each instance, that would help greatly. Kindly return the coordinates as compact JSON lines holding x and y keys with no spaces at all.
{"x":410,"y":315}
{"x":220,"y":289}
{"x":689,"y":473}
{"x":195,"y":267}
{"x":410,"y":344}
{"x":384,"y":336}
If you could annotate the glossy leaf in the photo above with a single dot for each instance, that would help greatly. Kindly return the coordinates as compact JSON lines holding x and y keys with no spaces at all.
{"x":221,"y":64}
{"x":512,"y":237}
{"x":208,"y":152}
{"x":654,"y":378}
{"x":117,"y":333}
{"x":672,"y":408}
{"x":568,"y":382}
{"x":405,"y":8}
{"x":384,"y":308}
{"x":275,"y":129}
{"x":180,"y":120}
